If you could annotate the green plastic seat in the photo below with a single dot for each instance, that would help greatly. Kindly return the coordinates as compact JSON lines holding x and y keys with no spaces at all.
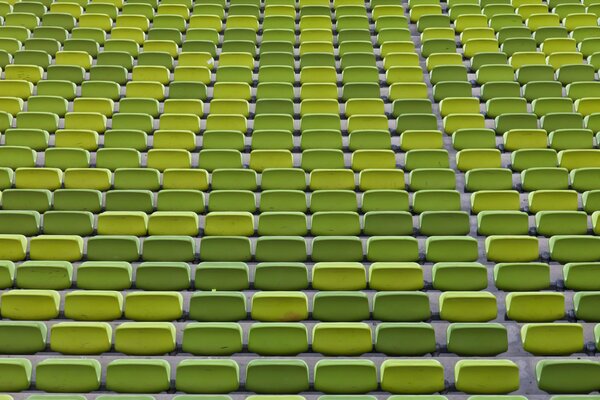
{"x":467,"y":306}
{"x":467,"y":339}
{"x":345,"y":376}
{"x":504,"y":376}
{"x":153,"y":306}
{"x":276,"y":376}
{"x":535,"y":306}
{"x":278,"y":339}
{"x":341,"y":339}
{"x":16,"y":374}
{"x":138,"y":375}
{"x":212,"y":339}
{"x":22,"y":337}
{"x":207,"y":376}
{"x":217,"y":306}
{"x":81,"y":337}
{"x":581,"y":275}
{"x":67,"y":375}
{"x":280,"y":276}
{"x":92,"y":305}
{"x":340,"y":306}
{"x":144,"y":338}
{"x":567,"y":376}
{"x":279,"y":306}
{"x":522,"y":276}
{"x":55,"y":275}
{"x":459,"y":276}
{"x":412,"y":376}
{"x":552,"y":339}
{"x":404,"y":339}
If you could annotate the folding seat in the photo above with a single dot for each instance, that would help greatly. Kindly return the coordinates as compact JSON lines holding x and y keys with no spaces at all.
{"x":516,"y":139}
{"x":24,"y":19}
{"x":65,"y":158}
{"x":153,"y":306}
{"x":510,"y":121}
{"x":523,"y":248}
{"x":552,"y":339}
{"x":420,"y":10}
{"x":122,"y":223}
{"x":333,"y":306}
{"x":145,"y":338}
{"x":16,"y":374}
{"x":377,"y":223}
{"x":22,"y":222}
{"x":362,"y":373}
{"x":279,"y":306}
{"x":330,"y":248}
{"x":502,"y":223}
{"x":510,"y":46}
{"x":113,"y":248}
{"x":79,"y":338}
{"x":39,"y":305}
{"x":493,"y":90}
{"x":404,"y":339}
{"x":225,"y":249}
{"x":395,"y":276}
{"x":162,"y":275}
{"x":437,"y":248}
{"x":553,"y":121}
{"x":180,"y":200}
{"x":207,"y":376}
{"x":436,"y":200}
{"x":26,"y":199}
{"x":583,"y":179}
{"x":273,"y":223}
{"x":135,"y":179}
{"x":459,"y":276}
{"x":211,"y":159}
{"x":32,"y":337}
{"x":566,"y":139}
{"x":532,"y":158}
{"x":407,"y":90}
{"x":104,"y":275}
{"x":535,"y":73}
{"x":265,"y":376}
{"x":404,"y":376}
{"x":567,"y":376}
{"x":580,"y":276}
{"x":173,"y":223}
{"x":32,"y":57}
{"x":37,"y":120}
{"x":212,"y":338}
{"x":498,"y":106}
{"x":522,"y":277}
{"x":586,"y":306}
{"x":544,"y":179}
{"x":437,"y":45}
{"x":56,"y":247}
{"x":181,"y":248}
{"x":535,"y":306}
{"x":492,"y":339}
{"x":548,"y":200}
{"x":138,"y":375}
{"x":324,"y":276}
{"x":495,"y":73}
{"x":469,"y":159}
{"x":467,"y":306}
{"x":44,"y":275}
{"x":356,"y":338}
{"x":504,"y":376}
{"x":283,"y":200}
{"x":575,"y":73}
{"x":129,"y":200}
{"x":572,"y":248}
{"x":211,"y":276}
{"x":451,"y":89}
{"x":402,"y":306}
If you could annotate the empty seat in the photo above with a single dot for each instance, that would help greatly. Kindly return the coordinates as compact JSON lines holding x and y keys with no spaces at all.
{"x":504,"y":376}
